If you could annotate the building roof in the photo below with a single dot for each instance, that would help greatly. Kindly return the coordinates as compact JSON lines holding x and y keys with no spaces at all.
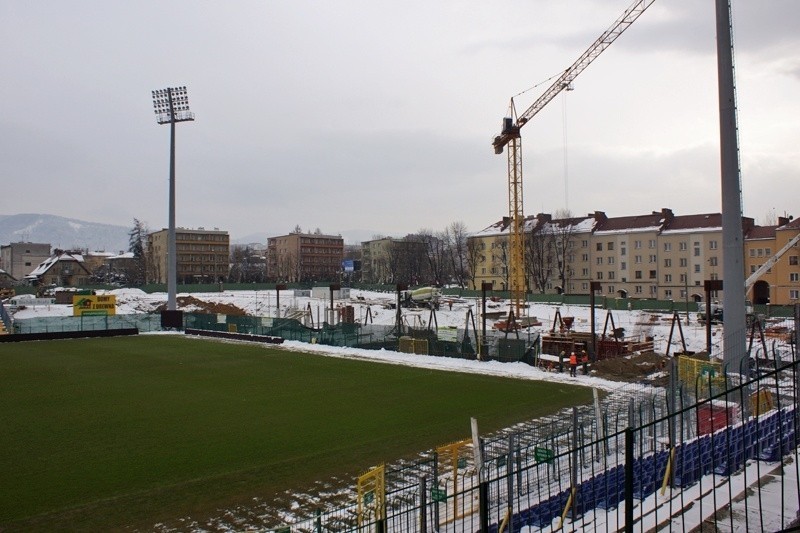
{"x":700,"y":222}
{"x":761,"y":232}
{"x":791,"y":225}
{"x":632,"y":224}
{"x":48,"y":263}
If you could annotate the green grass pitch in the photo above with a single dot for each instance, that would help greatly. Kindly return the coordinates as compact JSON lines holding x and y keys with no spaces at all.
{"x":103,"y":434}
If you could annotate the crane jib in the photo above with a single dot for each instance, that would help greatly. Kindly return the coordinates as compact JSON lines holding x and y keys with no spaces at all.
{"x":604,"y":41}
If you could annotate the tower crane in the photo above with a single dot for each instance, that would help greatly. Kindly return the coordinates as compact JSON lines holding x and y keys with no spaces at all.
{"x":510,"y":136}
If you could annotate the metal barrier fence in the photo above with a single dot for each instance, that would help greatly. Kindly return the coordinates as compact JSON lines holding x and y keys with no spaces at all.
{"x":663,"y":461}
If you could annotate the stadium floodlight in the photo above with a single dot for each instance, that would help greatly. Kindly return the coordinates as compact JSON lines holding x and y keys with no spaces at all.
{"x":171,"y":105}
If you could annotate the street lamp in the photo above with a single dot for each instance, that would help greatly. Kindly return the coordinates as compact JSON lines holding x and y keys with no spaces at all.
{"x":171,"y":105}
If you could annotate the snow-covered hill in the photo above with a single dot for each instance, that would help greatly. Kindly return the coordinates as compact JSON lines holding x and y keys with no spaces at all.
{"x":64,"y":233}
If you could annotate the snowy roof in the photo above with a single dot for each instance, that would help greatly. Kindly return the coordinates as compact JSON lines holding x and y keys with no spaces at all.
{"x":45,"y":265}
{"x":123,"y":255}
{"x":794,"y":224}
{"x":541,"y":223}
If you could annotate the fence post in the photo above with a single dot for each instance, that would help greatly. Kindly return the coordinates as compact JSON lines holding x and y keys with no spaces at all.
{"x":483,"y":506}
{"x":423,"y":505}
{"x":629,"y":479}
{"x":574,"y":474}
{"x":318,"y":521}
{"x":510,"y":481}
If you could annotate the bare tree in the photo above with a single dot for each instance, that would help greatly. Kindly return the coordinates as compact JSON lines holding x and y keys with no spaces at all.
{"x":247,"y":265}
{"x":435,"y":255}
{"x":563,"y":232}
{"x":456,"y":234}
{"x":474,"y":258}
{"x":540,"y":253}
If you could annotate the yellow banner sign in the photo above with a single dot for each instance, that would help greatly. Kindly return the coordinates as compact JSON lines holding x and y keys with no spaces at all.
{"x":94,"y":305}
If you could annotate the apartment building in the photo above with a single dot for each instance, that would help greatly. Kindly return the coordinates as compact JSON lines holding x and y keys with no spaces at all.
{"x":18,"y":259}
{"x":203,"y":255}
{"x":657,"y":255}
{"x":780,"y":284}
{"x":624,"y":254}
{"x":305,"y":257}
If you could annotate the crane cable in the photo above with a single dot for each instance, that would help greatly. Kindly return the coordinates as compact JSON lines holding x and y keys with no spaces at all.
{"x":511,"y":110}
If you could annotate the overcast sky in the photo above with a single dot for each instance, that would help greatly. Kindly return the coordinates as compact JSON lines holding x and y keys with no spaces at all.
{"x":376,"y":117}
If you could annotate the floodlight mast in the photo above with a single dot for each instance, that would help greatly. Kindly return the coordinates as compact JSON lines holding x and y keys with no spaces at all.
{"x":171,"y":105}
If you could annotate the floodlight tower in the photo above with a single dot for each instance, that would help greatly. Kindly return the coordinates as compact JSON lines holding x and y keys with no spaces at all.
{"x":171,"y":105}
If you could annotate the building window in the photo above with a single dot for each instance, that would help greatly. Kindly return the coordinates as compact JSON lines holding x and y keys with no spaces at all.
{"x":651,"y":243}
{"x":753,"y":268}
{"x":712,"y":245}
{"x":622,"y":250}
{"x":667,"y":278}
{"x":760,"y":252}
{"x":794,"y":294}
{"x":637,"y":259}
{"x":599,"y":246}
{"x":752,"y":252}
{"x":667,"y":263}
{"x":610,"y":260}
{"x":653,"y":259}
{"x":637,"y":245}
{"x":585,"y":272}
{"x":610,"y":289}
{"x":637,"y":289}
{"x":682,"y":246}
{"x":637,"y":274}
{"x":653,"y":274}
{"x":793,"y":260}
{"x":584,"y":244}
{"x":697,"y":269}
{"x":697,"y":251}
{"x":584,"y":257}
{"x":623,"y":266}
{"x":794,"y":276}
{"x":610,"y":246}
{"x":599,"y":275}
{"x":713,"y":261}
{"x":684,"y":262}
{"x":668,"y":294}
{"x":667,"y":246}
{"x":611,"y":275}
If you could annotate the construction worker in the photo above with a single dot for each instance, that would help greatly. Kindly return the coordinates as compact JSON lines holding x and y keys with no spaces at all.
{"x":561,"y":362}
{"x":585,"y":362}
{"x":573,"y":364}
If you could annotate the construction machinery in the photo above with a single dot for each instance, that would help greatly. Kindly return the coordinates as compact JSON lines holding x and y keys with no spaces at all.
{"x":510,"y":136}
{"x":763,"y":269}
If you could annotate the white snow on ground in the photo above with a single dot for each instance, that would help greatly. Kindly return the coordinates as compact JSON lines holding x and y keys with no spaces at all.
{"x":263,"y":303}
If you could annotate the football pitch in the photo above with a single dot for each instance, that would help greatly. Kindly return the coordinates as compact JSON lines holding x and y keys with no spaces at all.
{"x":105,"y":434}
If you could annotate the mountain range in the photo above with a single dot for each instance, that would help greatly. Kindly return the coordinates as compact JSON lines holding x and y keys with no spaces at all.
{"x":73,"y":234}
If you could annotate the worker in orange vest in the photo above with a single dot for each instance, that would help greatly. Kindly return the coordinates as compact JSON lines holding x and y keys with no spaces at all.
{"x":573,"y":364}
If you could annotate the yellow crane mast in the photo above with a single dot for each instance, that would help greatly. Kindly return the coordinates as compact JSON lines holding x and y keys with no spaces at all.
{"x":510,"y":136}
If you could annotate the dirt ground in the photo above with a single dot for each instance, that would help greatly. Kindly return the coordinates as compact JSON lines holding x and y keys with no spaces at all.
{"x":193,"y":304}
{"x":646,"y":367}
